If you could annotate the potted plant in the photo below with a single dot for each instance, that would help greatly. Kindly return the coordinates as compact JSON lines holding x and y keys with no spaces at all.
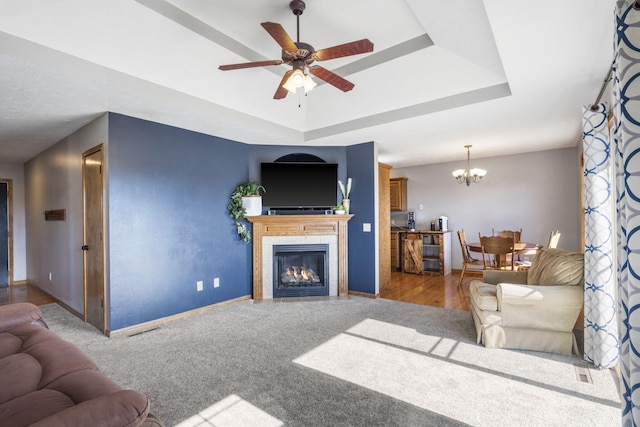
{"x":245,"y":200}
{"x":339,"y":210}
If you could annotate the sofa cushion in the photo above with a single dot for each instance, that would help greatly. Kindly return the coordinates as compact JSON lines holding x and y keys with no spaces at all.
{"x":483,"y":295}
{"x":16,"y":314}
{"x":46,"y":381}
{"x":20,"y":375}
{"x":556,"y":267}
{"x":30,"y":408}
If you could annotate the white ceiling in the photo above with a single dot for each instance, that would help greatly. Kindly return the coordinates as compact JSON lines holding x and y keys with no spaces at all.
{"x":507,"y":77}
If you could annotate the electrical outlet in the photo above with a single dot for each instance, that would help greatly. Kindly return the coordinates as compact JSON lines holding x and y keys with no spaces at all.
{"x":200,"y":285}
{"x":216,"y":282}
{"x":366,"y":227}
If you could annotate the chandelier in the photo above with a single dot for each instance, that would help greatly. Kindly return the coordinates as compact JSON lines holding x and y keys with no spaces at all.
{"x":469,"y":175}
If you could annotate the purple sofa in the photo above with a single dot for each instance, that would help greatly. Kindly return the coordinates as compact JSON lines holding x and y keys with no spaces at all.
{"x":46,"y":381}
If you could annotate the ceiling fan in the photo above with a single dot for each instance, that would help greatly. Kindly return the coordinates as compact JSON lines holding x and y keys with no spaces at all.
{"x":301,"y":55}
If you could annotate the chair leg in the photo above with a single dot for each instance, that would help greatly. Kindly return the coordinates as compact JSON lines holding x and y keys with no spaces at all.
{"x":464,"y":267}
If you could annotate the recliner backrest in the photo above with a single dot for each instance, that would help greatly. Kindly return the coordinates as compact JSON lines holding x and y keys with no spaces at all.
{"x":556,"y":267}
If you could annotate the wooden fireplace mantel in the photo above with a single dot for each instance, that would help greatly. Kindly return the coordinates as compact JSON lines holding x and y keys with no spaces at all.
{"x":299,"y":225}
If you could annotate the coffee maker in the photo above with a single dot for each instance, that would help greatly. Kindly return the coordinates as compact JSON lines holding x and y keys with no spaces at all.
{"x":443,"y":223}
{"x":411,"y":222}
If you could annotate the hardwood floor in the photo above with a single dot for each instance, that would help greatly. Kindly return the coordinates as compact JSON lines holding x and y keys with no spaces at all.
{"x":24,"y":293}
{"x":436,"y":291}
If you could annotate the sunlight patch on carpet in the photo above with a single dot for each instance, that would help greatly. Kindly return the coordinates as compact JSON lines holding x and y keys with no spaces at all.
{"x":443,"y":375}
{"x":232,"y":411}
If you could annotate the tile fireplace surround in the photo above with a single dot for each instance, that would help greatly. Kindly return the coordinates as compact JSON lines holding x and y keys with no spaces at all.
{"x":269,"y":230}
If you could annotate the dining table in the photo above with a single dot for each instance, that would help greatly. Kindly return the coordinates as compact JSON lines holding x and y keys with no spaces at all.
{"x":520,"y":248}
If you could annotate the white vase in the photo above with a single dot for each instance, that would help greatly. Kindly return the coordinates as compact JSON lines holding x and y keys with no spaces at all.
{"x":253,"y":205}
{"x":346,"y":203}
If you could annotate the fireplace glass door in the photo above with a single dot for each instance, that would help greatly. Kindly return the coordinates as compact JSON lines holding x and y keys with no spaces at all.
{"x":300,"y":270}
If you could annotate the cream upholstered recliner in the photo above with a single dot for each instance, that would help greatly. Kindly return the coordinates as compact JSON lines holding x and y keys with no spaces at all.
{"x":534,"y":309}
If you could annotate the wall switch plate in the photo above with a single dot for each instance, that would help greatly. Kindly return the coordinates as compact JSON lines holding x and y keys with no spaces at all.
{"x":216,"y":282}
{"x":50,"y":277}
{"x":200,"y":285}
{"x":366,"y":227}
{"x":421,"y":206}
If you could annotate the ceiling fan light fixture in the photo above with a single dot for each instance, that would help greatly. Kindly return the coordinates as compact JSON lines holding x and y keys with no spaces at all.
{"x":296,"y":80}
{"x":309,"y":83}
{"x":299,"y":79}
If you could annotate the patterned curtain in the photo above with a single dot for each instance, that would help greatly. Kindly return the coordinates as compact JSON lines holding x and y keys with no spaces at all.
{"x":601,"y":345}
{"x":626,"y":86}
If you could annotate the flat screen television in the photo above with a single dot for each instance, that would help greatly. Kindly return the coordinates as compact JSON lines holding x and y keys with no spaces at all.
{"x":293,"y":185}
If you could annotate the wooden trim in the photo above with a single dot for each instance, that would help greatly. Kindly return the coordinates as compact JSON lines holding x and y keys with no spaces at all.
{"x":364,"y":294}
{"x":9,"y":183}
{"x":154,"y":323}
{"x":300,"y":225}
{"x":105,"y":301}
{"x":384,"y":227}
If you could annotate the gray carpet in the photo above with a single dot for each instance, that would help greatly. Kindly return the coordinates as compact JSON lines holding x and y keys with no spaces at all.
{"x":348,"y":362}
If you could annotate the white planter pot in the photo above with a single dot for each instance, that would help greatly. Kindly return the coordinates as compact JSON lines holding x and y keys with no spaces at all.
{"x":253,"y":205}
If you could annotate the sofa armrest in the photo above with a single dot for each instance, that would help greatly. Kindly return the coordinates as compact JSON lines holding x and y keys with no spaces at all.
{"x":504,"y":276}
{"x":540,"y":307}
{"x":12,"y":315}
{"x":123,"y":408}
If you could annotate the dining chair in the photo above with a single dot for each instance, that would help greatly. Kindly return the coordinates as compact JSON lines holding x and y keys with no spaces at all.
{"x":517,"y":234}
{"x":554,"y":238}
{"x":498,"y":253}
{"x":517,"y":237}
{"x":468,"y":262}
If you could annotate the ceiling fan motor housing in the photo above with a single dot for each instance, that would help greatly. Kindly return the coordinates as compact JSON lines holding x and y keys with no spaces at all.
{"x":305,"y":53}
{"x":297,"y":7}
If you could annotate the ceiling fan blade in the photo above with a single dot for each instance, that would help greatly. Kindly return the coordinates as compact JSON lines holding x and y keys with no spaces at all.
{"x":280,"y":36}
{"x":331,"y":78}
{"x":282,"y":92}
{"x":249,"y":65}
{"x":347,"y":49}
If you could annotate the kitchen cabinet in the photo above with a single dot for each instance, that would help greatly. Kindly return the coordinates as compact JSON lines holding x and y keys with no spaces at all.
{"x":426,"y":252}
{"x":398,"y":194}
{"x":395,"y":251}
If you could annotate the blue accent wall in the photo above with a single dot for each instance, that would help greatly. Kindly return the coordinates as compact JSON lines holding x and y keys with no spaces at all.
{"x":361,"y":167}
{"x":166,"y":222}
{"x":168,"y":191}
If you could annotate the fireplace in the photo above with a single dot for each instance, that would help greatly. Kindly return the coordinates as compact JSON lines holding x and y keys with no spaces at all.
{"x":328,"y":231}
{"x":300,"y":270}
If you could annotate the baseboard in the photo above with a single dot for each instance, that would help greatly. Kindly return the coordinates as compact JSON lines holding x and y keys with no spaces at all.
{"x":364,"y":294}
{"x":142,"y":327}
{"x":68,"y":308}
